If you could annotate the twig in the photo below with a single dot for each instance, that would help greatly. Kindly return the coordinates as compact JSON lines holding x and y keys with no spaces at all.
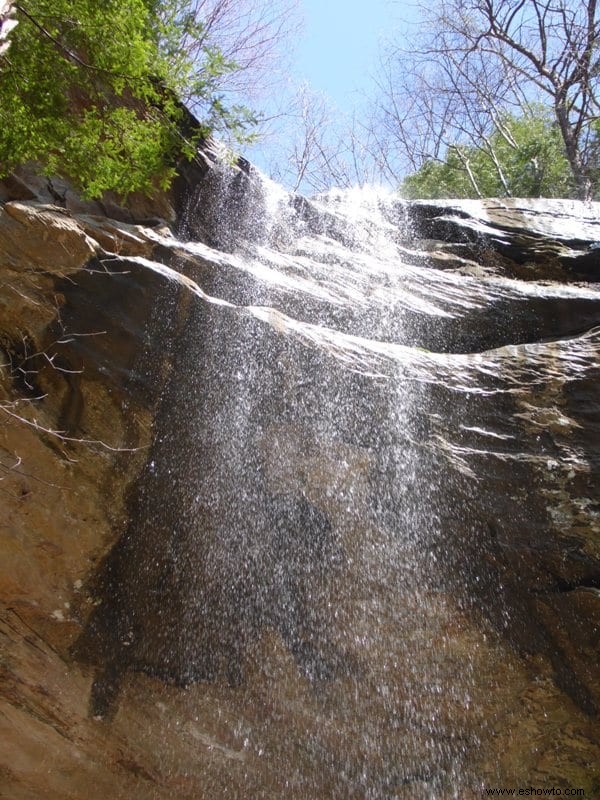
{"x":61,"y":434}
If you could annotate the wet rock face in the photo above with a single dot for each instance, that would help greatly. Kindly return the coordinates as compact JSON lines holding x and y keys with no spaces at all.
{"x":315,"y":513}
{"x":539,"y":239}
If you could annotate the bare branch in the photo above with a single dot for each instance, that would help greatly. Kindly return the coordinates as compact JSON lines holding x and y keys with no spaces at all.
{"x":5,"y":408}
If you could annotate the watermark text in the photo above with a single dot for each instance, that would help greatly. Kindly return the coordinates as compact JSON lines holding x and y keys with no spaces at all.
{"x":532,"y":791}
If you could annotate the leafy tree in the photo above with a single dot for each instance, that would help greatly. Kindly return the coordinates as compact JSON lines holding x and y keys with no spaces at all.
{"x":524,"y":157}
{"x":91,"y":90}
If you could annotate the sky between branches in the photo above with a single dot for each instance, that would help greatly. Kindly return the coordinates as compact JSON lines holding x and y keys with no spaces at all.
{"x":337,"y":50}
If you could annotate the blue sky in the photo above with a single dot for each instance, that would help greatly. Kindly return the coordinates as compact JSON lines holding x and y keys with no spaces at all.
{"x":338,"y":51}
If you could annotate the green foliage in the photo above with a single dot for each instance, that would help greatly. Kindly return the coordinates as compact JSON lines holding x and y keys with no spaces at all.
{"x":523,"y":158}
{"x":89,"y":90}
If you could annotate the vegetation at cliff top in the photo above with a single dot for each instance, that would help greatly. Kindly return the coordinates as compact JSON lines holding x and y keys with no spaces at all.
{"x":523,"y":157}
{"x":477,"y":98}
{"x":499,"y":97}
{"x":93,"y":90}
{"x":487,"y":98}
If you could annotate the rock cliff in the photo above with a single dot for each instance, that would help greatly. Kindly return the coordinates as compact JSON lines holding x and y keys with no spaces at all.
{"x":299,"y":497}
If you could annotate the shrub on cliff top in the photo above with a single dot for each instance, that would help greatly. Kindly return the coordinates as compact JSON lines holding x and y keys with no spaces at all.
{"x":90,"y":90}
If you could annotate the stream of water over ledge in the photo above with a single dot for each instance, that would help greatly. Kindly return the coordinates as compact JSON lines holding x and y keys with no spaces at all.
{"x":338,"y":548}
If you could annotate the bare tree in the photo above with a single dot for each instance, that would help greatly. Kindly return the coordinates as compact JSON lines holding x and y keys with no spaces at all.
{"x":254,"y":36}
{"x":478,"y":60}
{"x":313,"y":146}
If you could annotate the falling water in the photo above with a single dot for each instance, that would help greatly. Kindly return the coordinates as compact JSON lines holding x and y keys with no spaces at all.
{"x":304,"y":559}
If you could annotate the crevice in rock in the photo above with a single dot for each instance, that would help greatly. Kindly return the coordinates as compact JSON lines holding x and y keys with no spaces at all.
{"x":563,"y":587}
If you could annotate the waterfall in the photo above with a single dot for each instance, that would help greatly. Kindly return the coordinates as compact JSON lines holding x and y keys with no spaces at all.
{"x":312,"y":550}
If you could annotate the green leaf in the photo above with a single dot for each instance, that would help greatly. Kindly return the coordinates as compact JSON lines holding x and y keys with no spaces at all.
{"x":89,"y":90}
